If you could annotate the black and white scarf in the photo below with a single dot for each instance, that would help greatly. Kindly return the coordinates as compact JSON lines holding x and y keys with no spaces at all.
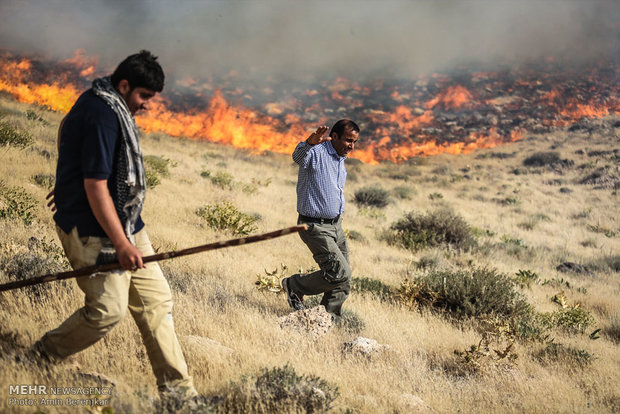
{"x":130,"y":178}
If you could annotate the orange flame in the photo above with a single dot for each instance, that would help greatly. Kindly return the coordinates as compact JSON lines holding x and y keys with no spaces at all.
{"x":15,"y":80}
{"x":453,"y":97}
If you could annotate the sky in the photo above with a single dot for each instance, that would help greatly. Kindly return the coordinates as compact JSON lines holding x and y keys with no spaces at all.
{"x":293,"y":38}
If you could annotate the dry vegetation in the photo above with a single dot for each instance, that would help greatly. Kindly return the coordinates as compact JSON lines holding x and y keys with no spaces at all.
{"x":526,"y":219}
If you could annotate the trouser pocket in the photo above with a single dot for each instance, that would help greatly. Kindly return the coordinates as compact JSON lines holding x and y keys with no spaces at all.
{"x":81,"y":251}
{"x":334,"y":270}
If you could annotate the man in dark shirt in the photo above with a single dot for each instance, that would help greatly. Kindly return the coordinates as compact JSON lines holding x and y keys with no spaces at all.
{"x":320,"y":204}
{"x":99,"y":193}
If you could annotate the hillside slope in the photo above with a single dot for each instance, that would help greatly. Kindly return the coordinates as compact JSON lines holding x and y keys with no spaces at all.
{"x":529,"y":207}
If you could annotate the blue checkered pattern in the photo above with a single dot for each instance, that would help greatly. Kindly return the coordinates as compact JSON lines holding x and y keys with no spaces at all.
{"x":320,"y":184}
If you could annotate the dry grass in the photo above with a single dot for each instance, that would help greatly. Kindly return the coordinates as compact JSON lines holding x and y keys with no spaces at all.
{"x":215,"y":296}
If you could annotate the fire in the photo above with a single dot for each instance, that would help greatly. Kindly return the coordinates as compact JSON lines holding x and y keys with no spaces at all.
{"x":399,"y":119}
{"x":222,"y":123}
{"x":15,"y":80}
{"x":453,"y":97}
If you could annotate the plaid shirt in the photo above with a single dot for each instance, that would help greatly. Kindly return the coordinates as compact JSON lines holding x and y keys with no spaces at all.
{"x":320,"y":183}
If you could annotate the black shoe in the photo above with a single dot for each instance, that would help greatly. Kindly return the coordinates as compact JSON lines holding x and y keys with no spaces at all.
{"x":294,"y":301}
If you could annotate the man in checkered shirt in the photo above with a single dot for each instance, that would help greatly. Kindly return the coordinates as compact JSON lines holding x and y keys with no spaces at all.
{"x":320,"y":204}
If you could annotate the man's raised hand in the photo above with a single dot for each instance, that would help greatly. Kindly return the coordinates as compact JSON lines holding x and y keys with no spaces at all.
{"x":317,"y":136}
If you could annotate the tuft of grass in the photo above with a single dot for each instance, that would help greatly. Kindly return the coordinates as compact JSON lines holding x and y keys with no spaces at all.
{"x":372,"y":196}
{"x":225,"y":216}
{"x":555,"y":352}
{"x":612,"y":331}
{"x":609,"y":263}
{"x":10,"y":136}
{"x":442,"y":227}
{"x":350,"y":322}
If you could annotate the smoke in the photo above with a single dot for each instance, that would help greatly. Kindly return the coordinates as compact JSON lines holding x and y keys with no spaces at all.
{"x":332,"y":38}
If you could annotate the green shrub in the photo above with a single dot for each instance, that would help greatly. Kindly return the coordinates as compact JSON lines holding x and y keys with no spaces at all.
{"x":372,"y":196}
{"x":16,"y":203}
{"x":473,"y":292}
{"x":12,"y":137}
{"x":525,"y":278}
{"x":572,"y":319}
{"x":374,"y":287}
{"x":441,"y":227}
{"x":225,"y":216}
{"x":542,"y":159}
{"x":435,"y":196}
{"x":223,"y":179}
{"x":279,"y":390}
{"x":156,"y":168}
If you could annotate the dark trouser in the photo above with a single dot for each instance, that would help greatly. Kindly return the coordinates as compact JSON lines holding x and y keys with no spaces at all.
{"x":328,"y":245}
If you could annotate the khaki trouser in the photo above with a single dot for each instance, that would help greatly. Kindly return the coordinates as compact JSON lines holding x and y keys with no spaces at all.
{"x":328,"y":245}
{"x":144,"y":292}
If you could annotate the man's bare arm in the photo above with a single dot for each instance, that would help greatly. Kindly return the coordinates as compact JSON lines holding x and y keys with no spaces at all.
{"x":50,"y":196}
{"x":103,"y":208}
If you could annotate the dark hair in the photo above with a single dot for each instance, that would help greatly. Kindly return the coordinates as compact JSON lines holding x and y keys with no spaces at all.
{"x":141,"y":71}
{"x":343,"y":125}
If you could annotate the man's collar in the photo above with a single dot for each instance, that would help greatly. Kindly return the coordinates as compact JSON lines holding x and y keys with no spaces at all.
{"x":332,"y":150}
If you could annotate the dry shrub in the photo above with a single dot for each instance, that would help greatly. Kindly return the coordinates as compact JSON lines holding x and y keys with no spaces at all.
{"x":372,"y":196}
{"x":542,"y":159}
{"x":556,"y":352}
{"x":466,"y":293}
{"x":279,"y":390}
{"x":441,"y":227}
{"x":39,"y":257}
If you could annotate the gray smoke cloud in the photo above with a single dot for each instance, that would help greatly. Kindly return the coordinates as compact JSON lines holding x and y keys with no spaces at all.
{"x":293,"y":38}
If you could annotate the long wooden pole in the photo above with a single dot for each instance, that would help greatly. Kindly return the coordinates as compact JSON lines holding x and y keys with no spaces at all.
{"x":89,"y":270}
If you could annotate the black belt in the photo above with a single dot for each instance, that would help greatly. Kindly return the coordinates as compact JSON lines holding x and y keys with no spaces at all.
{"x":319,"y":220}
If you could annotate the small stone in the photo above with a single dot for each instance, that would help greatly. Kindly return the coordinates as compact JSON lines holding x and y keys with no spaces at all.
{"x":314,"y":321}
{"x":364,"y":346}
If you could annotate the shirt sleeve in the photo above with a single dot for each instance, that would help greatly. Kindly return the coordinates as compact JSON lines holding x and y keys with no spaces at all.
{"x":100,"y":138}
{"x":301,"y":155}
